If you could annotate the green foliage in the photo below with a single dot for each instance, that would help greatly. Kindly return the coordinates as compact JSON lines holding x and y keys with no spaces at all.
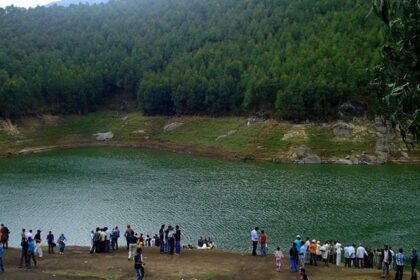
{"x":292,"y":59}
{"x":398,"y":74}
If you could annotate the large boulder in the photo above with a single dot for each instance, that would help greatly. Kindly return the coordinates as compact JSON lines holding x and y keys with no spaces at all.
{"x":304,"y":155}
{"x":352,"y":110}
{"x":172,"y":126}
{"x":312,"y":159}
{"x":344,"y":162}
{"x":342,"y":130}
{"x":106,"y":136}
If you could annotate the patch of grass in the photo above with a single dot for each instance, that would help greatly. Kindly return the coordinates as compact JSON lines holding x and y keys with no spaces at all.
{"x":201,"y":131}
{"x":323,"y":143}
{"x":109,"y":274}
{"x":6,"y":140}
{"x":208,"y":276}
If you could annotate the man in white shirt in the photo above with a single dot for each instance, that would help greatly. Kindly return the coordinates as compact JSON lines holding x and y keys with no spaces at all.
{"x":338,"y":250}
{"x":360,"y":255}
{"x":254,"y":239}
{"x":349,"y":255}
{"x":307,"y":253}
{"x":28,"y":234}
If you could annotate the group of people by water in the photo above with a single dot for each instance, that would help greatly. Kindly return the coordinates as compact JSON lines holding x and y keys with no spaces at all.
{"x":104,"y":240}
{"x":304,"y":252}
{"x":31,"y":247}
{"x":168,"y":239}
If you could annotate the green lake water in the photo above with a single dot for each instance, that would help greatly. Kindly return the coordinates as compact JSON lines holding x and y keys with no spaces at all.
{"x":73,"y":191}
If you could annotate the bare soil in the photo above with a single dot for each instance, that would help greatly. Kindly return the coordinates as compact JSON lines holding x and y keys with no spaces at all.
{"x":77,"y":263}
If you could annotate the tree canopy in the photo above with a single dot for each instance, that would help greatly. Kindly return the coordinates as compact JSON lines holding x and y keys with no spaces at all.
{"x":398,"y":73}
{"x":294,"y":60}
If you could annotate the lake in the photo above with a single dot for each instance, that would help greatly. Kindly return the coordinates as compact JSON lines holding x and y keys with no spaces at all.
{"x":73,"y":191}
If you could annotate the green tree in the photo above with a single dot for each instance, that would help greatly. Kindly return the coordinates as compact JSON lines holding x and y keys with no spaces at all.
{"x":398,"y":73}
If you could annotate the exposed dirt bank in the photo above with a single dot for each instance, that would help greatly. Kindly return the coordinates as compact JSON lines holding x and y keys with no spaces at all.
{"x":77,"y":263}
{"x":224,"y":138}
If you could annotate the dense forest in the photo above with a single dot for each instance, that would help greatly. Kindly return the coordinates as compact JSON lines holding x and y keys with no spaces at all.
{"x":292,"y":59}
{"x":67,"y":3}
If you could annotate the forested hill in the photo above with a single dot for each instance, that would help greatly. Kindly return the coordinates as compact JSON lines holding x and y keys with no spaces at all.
{"x":294,"y":59}
{"x":67,"y":3}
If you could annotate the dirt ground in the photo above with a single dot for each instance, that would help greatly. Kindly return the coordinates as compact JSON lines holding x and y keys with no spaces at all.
{"x":77,"y":263}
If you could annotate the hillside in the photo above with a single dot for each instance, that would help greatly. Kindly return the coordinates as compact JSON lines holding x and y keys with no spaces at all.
{"x":293,"y":60}
{"x":66,"y":3}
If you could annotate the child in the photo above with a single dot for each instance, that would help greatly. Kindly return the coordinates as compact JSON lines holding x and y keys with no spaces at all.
{"x":278,"y":256}
{"x":303,"y":275}
{"x":61,"y":243}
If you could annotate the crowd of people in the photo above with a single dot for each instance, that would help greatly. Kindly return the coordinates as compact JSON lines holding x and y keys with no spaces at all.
{"x":312,"y":252}
{"x":31,"y":246}
{"x":104,"y":240}
{"x":168,"y":239}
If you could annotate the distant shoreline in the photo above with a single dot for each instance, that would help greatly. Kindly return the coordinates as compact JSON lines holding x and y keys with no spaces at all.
{"x":229,"y":138}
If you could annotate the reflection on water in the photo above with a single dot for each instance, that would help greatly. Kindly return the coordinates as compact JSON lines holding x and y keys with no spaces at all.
{"x":73,"y":191}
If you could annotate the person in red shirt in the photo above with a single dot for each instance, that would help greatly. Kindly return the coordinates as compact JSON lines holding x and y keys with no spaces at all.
{"x":263,"y":242}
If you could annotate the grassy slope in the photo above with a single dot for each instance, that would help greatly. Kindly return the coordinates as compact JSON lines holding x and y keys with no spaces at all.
{"x":260,"y":140}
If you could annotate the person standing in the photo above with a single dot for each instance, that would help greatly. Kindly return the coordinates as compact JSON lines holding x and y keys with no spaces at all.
{"x":302,"y":255}
{"x":138,"y":264}
{"x":171,"y":240}
{"x":1,"y":259}
{"x":307,"y":251}
{"x":38,"y":246}
{"x":386,"y":258}
{"x":132,"y":245}
{"x":96,"y":241}
{"x":391,"y":264}
{"x":62,"y":243}
{"x":263,"y":243}
{"x":107,"y":242}
{"x":24,"y":252}
{"x":115,"y":236}
{"x":31,"y":252}
{"x":5,"y":232}
{"x":298,"y":242}
{"x":162,"y":239}
{"x":325,"y":249}
{"x":312,"y":250}
{"x":399,"y":261}
{"x":360,"y":255}
{"x":278,"y":256}
{"x":51,"y":244}
{"x":352,"y":254}
{"x":413,"y":262}
{"x":177,"y":240}
{"x":338,"y":250}
{"x":254,"y":240}
{"x":127,"y":234}
{"x":294,"y":255}
{"x":166,"y":238}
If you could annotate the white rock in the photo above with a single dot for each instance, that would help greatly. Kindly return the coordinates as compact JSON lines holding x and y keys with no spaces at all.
{"x":344,"y":162}
{"x":104,"y":136}
{"x":172,"y":126}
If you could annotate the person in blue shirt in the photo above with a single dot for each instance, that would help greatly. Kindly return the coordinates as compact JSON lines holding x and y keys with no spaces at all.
{"x":31,"y":252}
{"x":51,"y":244}
{"x":1,"y":259}
{"x":413,"y":261}
{"x":61,"y":243}
{"x":399,"y":261}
